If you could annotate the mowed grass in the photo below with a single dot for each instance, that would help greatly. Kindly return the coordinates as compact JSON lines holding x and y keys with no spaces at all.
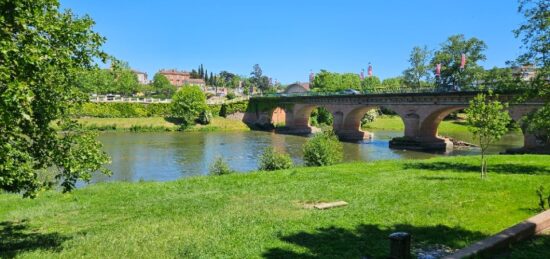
{"x":266,"y":214}
{"x":157,"y":124}
{"x":388,"y":122}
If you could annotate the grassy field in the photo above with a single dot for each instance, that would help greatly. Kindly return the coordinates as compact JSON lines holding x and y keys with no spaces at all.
{"x":267,"y":214}
{"x":157,"y":124}
{"x":387,"y":122}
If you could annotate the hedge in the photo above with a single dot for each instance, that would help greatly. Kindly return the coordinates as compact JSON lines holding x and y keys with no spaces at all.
{"x":137,"y":110}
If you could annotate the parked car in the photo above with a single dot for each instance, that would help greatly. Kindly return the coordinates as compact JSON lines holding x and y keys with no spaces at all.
{"x":350,"y":92}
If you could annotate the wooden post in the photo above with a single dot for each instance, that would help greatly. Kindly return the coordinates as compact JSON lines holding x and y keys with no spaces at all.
{"x":400,"y":245}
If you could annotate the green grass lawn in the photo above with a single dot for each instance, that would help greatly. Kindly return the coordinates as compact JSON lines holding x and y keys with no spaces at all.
{"x":157,"y":124}
{"x":387,"y":122}
{"x":265,"y":214}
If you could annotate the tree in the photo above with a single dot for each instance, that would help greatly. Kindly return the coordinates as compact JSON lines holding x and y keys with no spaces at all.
{"x":371,"y":83}
{"x":187,"y":104}
{"x":392,"y":82}
{"x":500,"y":79}
{"x":42,"y":50}
{"x":535,"y":36}
{"x":124,"y":80}
{"x":488,"y":120}
{"x":535,"y":32}
{"x":258,"y":79}
{"x":326,"y":81}
{"x":420,"y":67}
{"x":449,"y":56}
{"x":162,"y":85}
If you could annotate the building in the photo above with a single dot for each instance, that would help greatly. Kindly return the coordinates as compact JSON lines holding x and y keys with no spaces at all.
{"x":141,"y":76}
{"x":179,"y":78}
{"x":526,"y":72}
{"x":175,"y":77}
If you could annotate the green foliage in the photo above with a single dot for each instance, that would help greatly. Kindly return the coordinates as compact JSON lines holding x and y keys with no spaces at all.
{"x":369,"y":117}
{"x":321,"y":116}
{"x":230,"y":96}
{"x":488,"y":121}
{"x":124,"y":110}
{"x":205,"y":117}
{"x":538,"y":123}
{"x":501,"y":79}
{"x":535,"y":32}
{"x":257,"y":79}
{"x":393,"y":82}
{"x":187,"y":104}
{"x":118,"y":79}
{"x":542,"y":198}
{"x":271,"y":160}
{"x":42,"y":50}
{"x":419,"y":71}
{"x":371,"y":83}
{"x":323,"y":149}
{"x":162,"y":86}
{"x":449,"y":56}
{"x":220,"y":167}
{"x":326,"y":81}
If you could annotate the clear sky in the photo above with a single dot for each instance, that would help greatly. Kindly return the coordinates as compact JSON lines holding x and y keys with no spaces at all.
{"x":288,"y":38}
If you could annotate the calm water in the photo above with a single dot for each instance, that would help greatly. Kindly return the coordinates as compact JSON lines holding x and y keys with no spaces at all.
{"x":169,"y":156}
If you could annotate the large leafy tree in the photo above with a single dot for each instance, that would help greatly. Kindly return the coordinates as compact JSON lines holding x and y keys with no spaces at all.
{"x":326,"y":81}
{"x":488,"y":121}
{"x":258,"y":79}
{"x":162,"y":85}
{"x":419,"y":71}
{"x":187,"y":104}
{"x":41,"y":49}
{"x":449,"y":56}
{"x":535,"y":36}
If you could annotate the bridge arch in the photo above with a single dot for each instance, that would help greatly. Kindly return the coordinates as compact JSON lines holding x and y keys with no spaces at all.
{"x":428,"y":127}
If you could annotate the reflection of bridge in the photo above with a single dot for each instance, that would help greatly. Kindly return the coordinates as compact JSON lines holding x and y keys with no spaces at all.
{"x":421,"y":114}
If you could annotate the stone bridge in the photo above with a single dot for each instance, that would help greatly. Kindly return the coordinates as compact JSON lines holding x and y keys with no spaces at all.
{"x":421,"y":114}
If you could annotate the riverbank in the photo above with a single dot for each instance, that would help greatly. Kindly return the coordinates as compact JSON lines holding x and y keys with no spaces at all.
{"x":439,"y":201}
{"x":151,"y":124}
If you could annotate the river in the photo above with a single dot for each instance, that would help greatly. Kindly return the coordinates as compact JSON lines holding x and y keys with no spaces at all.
{"x":165,"y":156}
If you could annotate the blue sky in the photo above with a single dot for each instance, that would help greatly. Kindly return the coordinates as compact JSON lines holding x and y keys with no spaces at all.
{"x":288,"y":38}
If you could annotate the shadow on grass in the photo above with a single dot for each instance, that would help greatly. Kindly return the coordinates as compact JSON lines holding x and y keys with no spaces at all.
{"x":492,"y":168}
{"x":17,"y":237}
{"x":368,"y":241}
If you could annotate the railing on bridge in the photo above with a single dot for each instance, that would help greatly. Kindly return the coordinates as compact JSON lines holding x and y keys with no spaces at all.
{"x":381,"y":91}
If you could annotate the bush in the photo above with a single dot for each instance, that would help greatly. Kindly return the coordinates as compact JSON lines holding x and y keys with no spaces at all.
{"x":205,"y":117}
{"x":230,"y":96}
{"x":220,"y":167}
{"x":123,"y":110}
{"x":323,"y":149}
{"x":187,"y":104}
{"x":271,"y":160}
{"x":369,"y":117}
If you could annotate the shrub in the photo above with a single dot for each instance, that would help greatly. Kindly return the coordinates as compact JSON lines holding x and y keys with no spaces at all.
{"x":369,"y":117}
{"x":271,"y":160}
{"x":123,"y":110}
{"x":205,"y":117}
{"x":220,"y":167}
{"x":187,"y":104}
{"x":230,"y":96}
{"x":323,"y":149}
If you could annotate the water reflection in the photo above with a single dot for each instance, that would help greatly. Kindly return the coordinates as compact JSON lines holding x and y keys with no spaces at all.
{"x":171,"y":155}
